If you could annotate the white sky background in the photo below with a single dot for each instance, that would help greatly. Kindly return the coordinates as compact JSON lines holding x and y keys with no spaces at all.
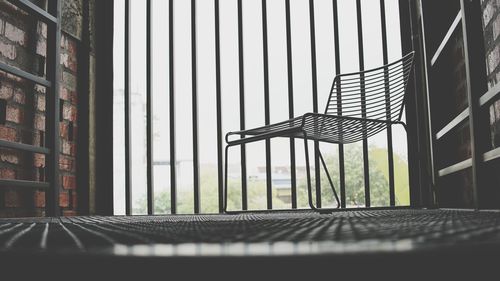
{"x":253,"y":68}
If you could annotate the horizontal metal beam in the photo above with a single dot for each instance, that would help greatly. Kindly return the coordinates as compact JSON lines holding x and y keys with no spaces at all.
{"x":23,"y":74}
{"x":24,"y":183}
{"x":24,"y":147}
{"x":453,"y":123}
{"x":490,"y":96}
{"x":491,"y":155}
{"x":456,"y":167}
{"x":447,"y":37}
{"x":34,"y":10}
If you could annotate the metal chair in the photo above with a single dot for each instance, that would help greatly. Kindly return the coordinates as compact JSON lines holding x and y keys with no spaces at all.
{"x":360,"y":105}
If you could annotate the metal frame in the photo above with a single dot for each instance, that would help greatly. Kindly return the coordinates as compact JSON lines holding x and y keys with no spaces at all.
{"x":291,"y":114}
{"x":469,"y":19}
{"x":52,"y":19}
{"x":127,"y":109}
{"x":387,"y":82}
{"x":221,"y":164}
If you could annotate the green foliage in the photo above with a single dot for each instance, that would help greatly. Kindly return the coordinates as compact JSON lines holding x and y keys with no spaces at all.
{"x":354,"y":178}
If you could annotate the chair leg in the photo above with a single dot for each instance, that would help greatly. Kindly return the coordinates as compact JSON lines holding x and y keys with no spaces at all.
{"x":308,"y":173}
{"x":225,"y":179}
{"x":329,"y":178}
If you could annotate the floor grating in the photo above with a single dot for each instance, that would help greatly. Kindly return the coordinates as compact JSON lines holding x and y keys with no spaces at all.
{"x":253,"y":233}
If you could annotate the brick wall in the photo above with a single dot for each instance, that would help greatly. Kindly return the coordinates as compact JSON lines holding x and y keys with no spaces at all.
{"x":23,"y":44}
{"x":491,"y":26}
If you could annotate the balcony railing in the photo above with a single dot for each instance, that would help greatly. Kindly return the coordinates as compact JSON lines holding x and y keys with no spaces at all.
{"x":240,"y":50}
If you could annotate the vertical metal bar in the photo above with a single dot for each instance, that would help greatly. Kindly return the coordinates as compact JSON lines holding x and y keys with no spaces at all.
{"x":363,"y":102}
{"x":336,"y":42}
{"x":53,"y":75}
{"x":415,"y":105}
{"x":127,"y":102}
{"x":218,"y":97}
{"x":390,"y":153}
{"x":269,"y":185}
{"x":317,"y":167}
{"x":149,"y":113}
{"x":194,"y":88}
{"x":83,"y":86}
{"x":314,"y":79}
{"x":291,"y":114}
{"x":244,"y":197}
{"x":173,"y":164}
{"x":426,"y":61}
{"x":476,"y":85}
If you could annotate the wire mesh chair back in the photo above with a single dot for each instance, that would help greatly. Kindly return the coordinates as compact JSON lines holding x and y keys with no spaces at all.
{"x":377,"y":93}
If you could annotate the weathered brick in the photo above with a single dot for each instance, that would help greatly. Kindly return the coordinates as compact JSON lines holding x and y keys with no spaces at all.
{"x":63,"y":130}
{"x":9,"y":156}
{"x":40,"y":103}
{"x":2,"y":28}
{"x":19,"y":96}
{"x":488,"y":12}
{"x":63,"y":199}
{"x":39,"y":199}
{"x":39,"y":123}
{"x":69,"y":182}
{"x":41,"y":46}
{"x":6,"y":92}
{"x":12,"y":199}
{"x":69,"y":112}
{"x":42,"y":29}
{"x":74,"y":200}
{"x":40,"y":89}
{"x":8,"y":50}
{"x":15,"y":115}
{"x":8,"y":134}
{"x":69,"y":213}
{"x":66,"y":147}
{"x":69,"y":80}
{"x":38,"y":160}
{"x":7,"y":173}
{"x":15,"y":34}
{"x":66,"y":164}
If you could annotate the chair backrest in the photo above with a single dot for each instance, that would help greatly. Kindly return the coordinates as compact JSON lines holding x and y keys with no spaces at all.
{"x":377,"y":93}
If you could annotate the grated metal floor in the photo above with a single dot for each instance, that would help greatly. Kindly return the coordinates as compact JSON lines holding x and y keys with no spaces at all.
{"x":253,"y":233}
{"x":294,"y":246}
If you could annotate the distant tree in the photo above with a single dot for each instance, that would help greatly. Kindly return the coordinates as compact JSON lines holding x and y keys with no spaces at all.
{"x":354,"y":179}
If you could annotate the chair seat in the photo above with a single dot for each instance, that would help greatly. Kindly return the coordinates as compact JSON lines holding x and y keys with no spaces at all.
{"x":321,"y":127}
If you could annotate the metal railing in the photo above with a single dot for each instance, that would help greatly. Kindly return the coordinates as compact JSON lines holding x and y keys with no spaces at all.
{"x":51,"y":185}
{"x":242,"y":114}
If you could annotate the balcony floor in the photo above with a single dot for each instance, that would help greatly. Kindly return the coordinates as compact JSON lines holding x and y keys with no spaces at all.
{"x":341,"y":240}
